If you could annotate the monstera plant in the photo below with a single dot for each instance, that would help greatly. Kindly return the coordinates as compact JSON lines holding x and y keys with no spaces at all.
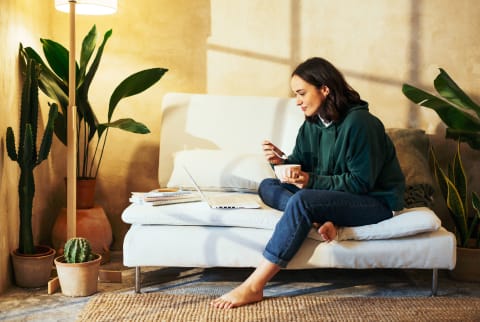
{"x":91,"y":134}
{"x":461,"y":115}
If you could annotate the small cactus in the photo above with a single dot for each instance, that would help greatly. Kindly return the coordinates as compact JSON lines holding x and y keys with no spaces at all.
{"x":78,"y":250}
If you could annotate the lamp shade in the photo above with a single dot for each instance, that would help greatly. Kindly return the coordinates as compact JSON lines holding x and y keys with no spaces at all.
{"x":88,"y":7}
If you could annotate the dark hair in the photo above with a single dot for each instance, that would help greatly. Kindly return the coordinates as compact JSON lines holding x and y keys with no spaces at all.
{"x":318,"y":72}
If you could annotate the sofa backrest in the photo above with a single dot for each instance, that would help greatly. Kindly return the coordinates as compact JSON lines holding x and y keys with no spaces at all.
{"x":236,"y":124}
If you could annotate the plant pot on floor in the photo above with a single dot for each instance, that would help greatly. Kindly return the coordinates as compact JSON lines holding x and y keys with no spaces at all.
{"x":78,"y":279}
{"x":468,"y":265}
{"x":33,"y":270}
{"x":92,"y":224}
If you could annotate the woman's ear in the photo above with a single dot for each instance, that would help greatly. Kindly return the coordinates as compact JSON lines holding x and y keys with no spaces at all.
{"x":325,"y":90}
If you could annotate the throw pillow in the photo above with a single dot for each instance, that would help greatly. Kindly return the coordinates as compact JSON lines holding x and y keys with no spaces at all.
{"x":412,"y":147}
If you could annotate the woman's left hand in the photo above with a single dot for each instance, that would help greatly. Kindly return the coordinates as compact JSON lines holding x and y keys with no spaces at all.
{"x":299,"y":179}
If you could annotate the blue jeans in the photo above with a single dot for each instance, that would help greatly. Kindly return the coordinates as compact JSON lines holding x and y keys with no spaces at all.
{"x":303,"y":207}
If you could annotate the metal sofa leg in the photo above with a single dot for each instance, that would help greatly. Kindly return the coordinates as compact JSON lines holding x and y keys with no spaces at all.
{"x":434,"y":282}
{"x":137,"y":279}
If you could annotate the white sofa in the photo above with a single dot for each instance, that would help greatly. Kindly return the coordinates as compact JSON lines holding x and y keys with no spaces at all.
{"x":218,"y":138}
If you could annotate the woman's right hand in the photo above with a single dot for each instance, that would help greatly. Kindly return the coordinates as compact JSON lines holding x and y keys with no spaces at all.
{"x":273,"y":154}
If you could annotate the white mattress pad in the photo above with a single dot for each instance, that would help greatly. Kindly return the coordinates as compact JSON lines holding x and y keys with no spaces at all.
{"x":408,"y":222}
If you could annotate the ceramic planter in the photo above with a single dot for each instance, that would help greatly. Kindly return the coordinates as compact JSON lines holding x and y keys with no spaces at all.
{"x":33,"y":270}
{"x":468,"y":265}
{"x":92,"y":224}
{"x":78,"y":279}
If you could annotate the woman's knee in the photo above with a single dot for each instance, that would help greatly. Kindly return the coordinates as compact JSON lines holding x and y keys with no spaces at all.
{"x":266,"y":185}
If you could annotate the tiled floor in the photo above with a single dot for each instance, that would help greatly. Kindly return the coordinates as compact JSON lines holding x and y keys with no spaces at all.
{"x":36,"y":305}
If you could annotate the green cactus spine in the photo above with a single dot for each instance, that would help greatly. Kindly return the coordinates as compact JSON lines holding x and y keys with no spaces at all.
{"x":78,"y":250}
{"x":27,"y":156}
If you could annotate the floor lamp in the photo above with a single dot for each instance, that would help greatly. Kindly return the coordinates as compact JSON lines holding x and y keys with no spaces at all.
{"x":73,"y":7}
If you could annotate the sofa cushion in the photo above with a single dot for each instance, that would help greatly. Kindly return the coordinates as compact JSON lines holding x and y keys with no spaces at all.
{"x":220,"y":170}
{"x":408,"y":222}
{"x":412,"y":147}
{"x":405,"y":223}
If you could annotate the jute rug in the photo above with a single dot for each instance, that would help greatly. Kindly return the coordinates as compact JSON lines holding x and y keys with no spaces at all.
{"x":169,"y":307}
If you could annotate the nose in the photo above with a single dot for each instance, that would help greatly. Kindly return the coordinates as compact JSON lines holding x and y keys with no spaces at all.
{"x":298,"y":100}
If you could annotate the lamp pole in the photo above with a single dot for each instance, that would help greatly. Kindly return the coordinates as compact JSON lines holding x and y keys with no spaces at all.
{"x":95,"y":7}
{"x":71,"y":132}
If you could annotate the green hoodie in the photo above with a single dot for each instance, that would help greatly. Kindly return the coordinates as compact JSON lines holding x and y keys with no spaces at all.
{"x":353,"y":155}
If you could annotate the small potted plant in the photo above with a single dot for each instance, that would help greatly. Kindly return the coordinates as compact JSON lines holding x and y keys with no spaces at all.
{"x":78,"y":267}
{"x":32,"y":264}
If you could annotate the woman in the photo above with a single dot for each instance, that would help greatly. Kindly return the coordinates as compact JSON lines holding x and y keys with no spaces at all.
{"x":349,"y":176}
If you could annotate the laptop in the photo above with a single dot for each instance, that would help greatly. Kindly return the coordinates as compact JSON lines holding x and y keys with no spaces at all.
{"x":226,"y":201}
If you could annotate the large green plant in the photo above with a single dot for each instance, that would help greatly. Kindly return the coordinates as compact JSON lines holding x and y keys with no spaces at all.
{"x":27,"y":156}
{"x":91,"y":135}
{"x":454,"y":188}
{"x":461,"y":115}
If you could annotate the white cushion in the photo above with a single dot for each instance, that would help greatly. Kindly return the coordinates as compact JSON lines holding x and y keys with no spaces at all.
{"x":405,"y":223}
{"x":408,"y":222}
{"x":203,"y":246}
{"x":220,"y":170}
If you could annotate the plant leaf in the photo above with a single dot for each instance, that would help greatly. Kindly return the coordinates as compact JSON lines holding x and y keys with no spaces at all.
{"x":472,"y":138}
{"x":449,"y":90}
{"x":57,"y":57}
{"x":88,"y":47}
{"x":458,"y":175}
{"x":438,"y":173}
{"x":127,"y":124}
{"x":452,"y":116}
{"x":476,"y":214}
{"x":134,"y":84}
{"x":458,"y":212}
{"x":61,"y":128}
{"x":94,"y":66}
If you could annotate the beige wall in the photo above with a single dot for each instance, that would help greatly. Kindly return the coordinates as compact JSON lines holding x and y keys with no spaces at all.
{"x":228,"y":47}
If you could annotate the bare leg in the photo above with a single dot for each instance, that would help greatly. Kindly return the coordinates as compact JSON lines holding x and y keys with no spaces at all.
{"x":251,"y":290}
{"x":328,"y":231}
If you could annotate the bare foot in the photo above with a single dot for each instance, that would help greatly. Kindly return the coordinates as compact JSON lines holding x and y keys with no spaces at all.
{"x":328,"y":231}
{"x":241,"y":295}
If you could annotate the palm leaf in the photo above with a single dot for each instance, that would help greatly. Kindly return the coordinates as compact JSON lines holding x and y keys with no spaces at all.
{"x":449,"y":90}
{"x":127,"y":124}
{"x":134,"y":84}
{"x":57,"y":57}
{"x":88,"y":47}
{"x":451,"y":115}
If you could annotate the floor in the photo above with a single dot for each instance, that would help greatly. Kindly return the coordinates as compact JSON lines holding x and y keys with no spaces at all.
{"x":36,"y":305}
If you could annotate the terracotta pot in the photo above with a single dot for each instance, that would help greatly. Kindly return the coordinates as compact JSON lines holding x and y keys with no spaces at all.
{"x":33,"y":270}
{"x":92,"y":224}
{"x":467,"y":267}
{"x":85,"y":192}
{"x":78,"y":279}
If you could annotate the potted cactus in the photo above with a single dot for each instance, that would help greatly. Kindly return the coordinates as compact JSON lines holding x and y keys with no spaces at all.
{"x":78,"y":267}
{"x":32,"y":263}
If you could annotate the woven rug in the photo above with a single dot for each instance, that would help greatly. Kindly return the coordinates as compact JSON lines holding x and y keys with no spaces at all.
{"x":170,"y":307}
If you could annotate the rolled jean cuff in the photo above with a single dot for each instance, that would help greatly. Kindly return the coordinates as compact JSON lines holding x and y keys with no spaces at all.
{"x":274,"y":259}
